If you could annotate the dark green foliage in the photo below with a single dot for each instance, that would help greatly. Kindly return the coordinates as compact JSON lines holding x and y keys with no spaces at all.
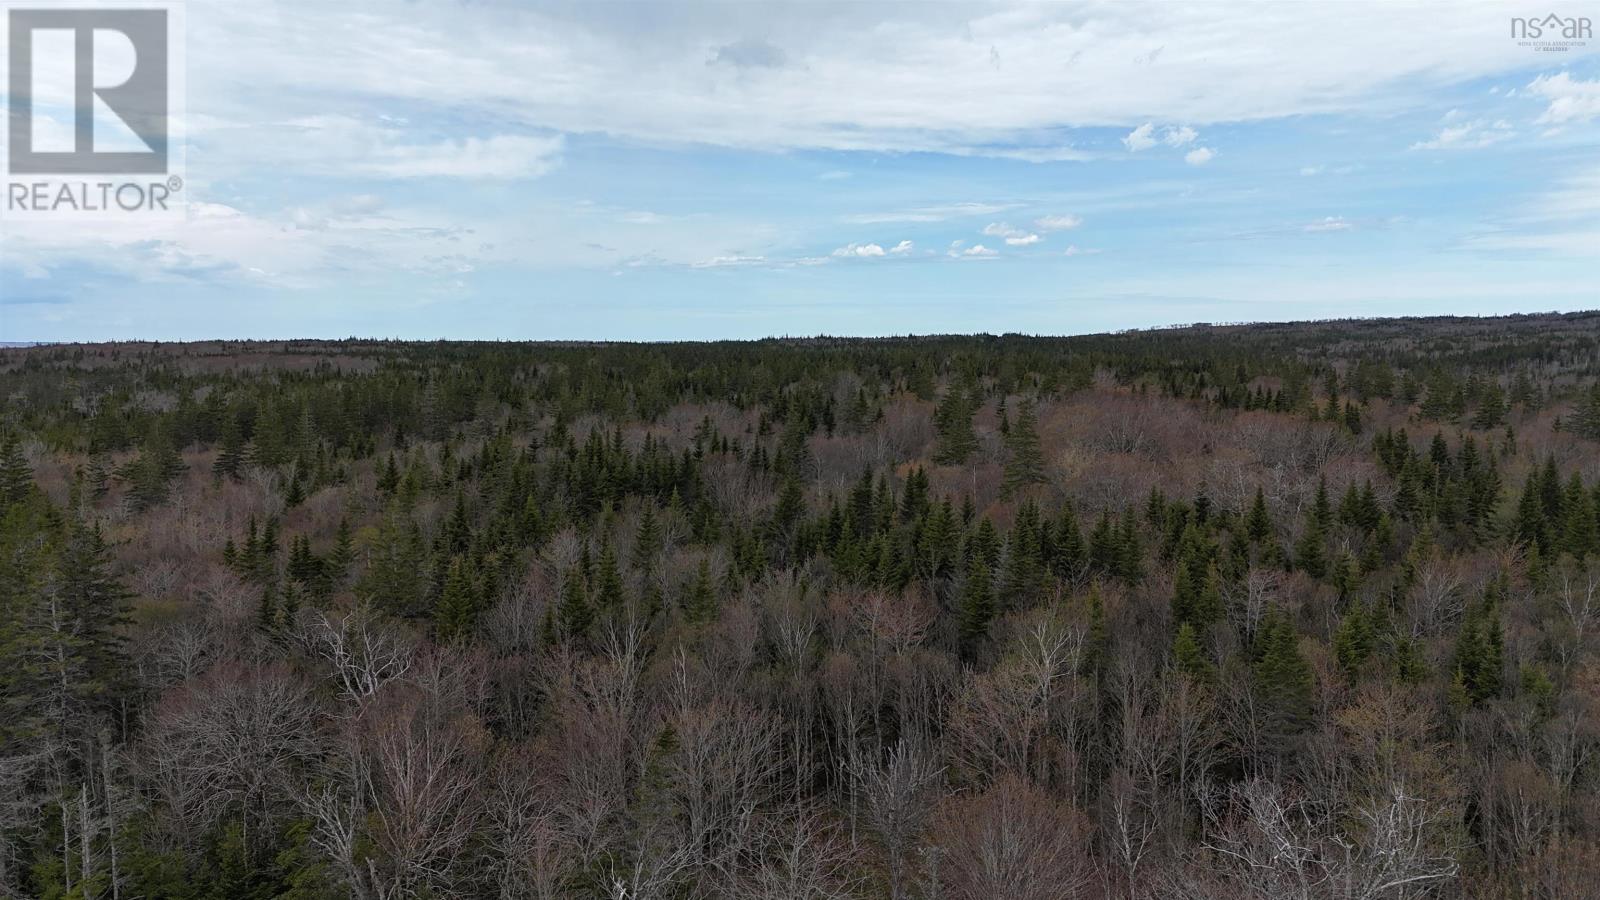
{"x":1282,"y":678}
{"x":575,"y":613}
{"x":1025,"y":459}
{"x":230,"y":456}
{"x":977,"y":603}
{"x":16,"y":476}
{"x":700,"y":600}
{"x":953,"y":421}
{"x":1479,"y":655}
{"x":150,"y":475}
{"x":1189,"y":658}
{"x":1354,"y":640}
{"x":1259,"y":523}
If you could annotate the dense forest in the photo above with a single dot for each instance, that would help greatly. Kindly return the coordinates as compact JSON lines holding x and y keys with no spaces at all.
{"x":1253,"y":611}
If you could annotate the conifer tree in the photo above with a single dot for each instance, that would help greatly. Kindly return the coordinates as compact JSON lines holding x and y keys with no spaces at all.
{"x":1258,"y":525}
{"x":608,"y":588}
{"x":953,"y":421}
{"x":1129,"y":549}
{"x":456,"y":613}
{"x":1491,"y":409}
{"x":1585,"y":418}
{"x":389,"y":478}
{"x":1025,"y":467}
{"x":397,"y":555}
{"x":1097,"y":642}
{"x":1581,"y":533}
{"x":1352,"y":418}
{"x":1025,"y":573}
{"x":152,"y":473}
{"x":344,"y":553}
{"x":1283,"y":679}
{"x":700,"y":602}
{"x":1479,"y":655}
{"x":1353,"y":640}
{"x":230,"y":457}
{"x":99,"y":475}
{"x":1189,"y":658}
{"x":977,"y":603}
{"x":16,"y":476}
{"x":1309,"y":554}
{"x":575,"y":613}
{"x":1321,"y":508}
{"x":647,"y":540}
{"x":1071,"y":553}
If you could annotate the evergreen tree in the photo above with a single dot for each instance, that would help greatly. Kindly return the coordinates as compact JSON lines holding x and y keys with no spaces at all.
{"x":1585,"y":418}
{"x":344,"y":553}
{"x":609,"y":593}
{"x":1283,"y":679}
{"x":977,"y":604}
{"x":1097,"y":643}
{"x":1491,"y":409}
{"x":647,"y":540}
{"x":152,"y":473}
{"x":16,"y":476}
{"x":1321,"y":508}
{"x":700,"y":602}
{"x":953,"y":421}
{"x":99,"y":475}
{"x":1189,"y":658}
{"x":1580,"y":532}
{"x":230,"y":457}
{"x":1025,"y":466}
{"x":1258,"y":525}
{"x":1353,"y":640}
{"x":456,"y":613}
{"x":398,"y":553}
{"x":574,"y":613}
{"x":1309,"y":553}
{"x":1479,"y":655}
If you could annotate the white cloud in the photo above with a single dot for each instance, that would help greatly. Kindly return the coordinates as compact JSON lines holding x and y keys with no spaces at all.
{"x":376,"y":147}
{"x":1144,"y":137}
{"x":976,"y":251}
{"x":779,"y":76}
{"x":1075,"y":250}
{"x":1563,"y":219}
{"x":859,"y":251}
{"x":1199,"y":156}
{"x":1002,"y":230}
{"x":1177,"y":136}
{"x":1572,"y":101}
{"x":902,"y":247}
{"x":299,"y":248}
{"x":1468,"y":135}
{"x":503,"y":156}
{"x":1023,"y":240}
{"x":1057,"y":223}
{"x":721,"y":262}
{"x":1310,"y":171}
{"x":1141,"y":138}
{"x":930,"y":213}
{"x":1330,"y":223}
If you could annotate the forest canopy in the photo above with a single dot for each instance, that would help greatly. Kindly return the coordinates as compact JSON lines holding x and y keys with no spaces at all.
{"x":1300,"y":610}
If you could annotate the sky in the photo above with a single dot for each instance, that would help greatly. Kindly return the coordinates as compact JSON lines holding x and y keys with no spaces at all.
{"x":484,"y":169}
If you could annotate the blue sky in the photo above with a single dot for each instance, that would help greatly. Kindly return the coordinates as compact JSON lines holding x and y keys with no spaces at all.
{"x":607,"y":170}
